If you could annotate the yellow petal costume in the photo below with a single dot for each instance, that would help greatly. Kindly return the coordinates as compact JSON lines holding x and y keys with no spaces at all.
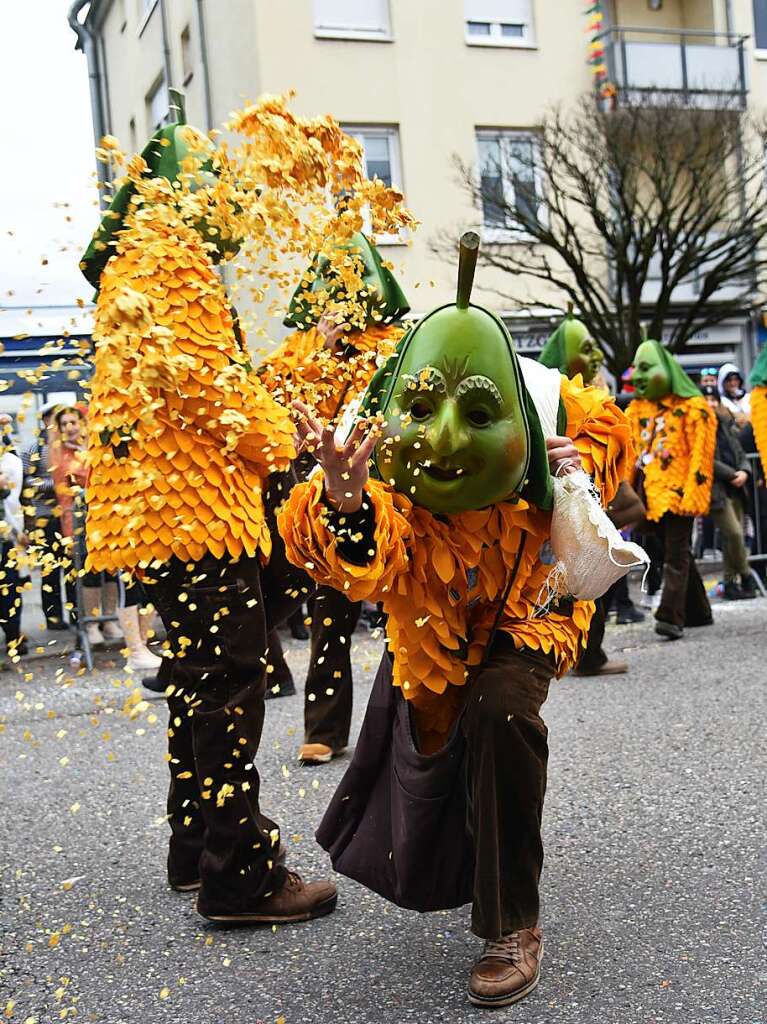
{"x":439,"y":578}
{"x":181,"y":433}
{"x":302,"y":368}
{"x":675,"y":438}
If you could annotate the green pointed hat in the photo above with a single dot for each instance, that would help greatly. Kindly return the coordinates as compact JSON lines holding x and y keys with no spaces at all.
{"x":464,"y":326}
{"x":758,"y":376}
{"x":554,"y":354}
{"x":382,"y":296}
{"x":681,"y":384}
{"x":164,"y":155}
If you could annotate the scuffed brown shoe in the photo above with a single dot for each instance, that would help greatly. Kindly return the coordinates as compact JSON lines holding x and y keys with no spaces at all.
{"x":608,"y":668}
{"x":295,"y":901}
{"x":317,"y":753}
{"x":508,"y":969}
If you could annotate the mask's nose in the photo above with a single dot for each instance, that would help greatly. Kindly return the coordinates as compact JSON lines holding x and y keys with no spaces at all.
{"x":446,"y":435}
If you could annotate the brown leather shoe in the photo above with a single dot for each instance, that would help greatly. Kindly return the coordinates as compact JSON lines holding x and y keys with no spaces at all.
{"x":608,"y":668}
{"x":508,"y":969}
{"x":295,"y":901}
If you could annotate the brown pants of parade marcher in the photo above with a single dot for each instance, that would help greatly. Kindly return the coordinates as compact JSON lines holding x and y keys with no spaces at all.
{"x":507,"y":757}
{"x":279,"y":677}
{"x":329,"y":685}
{"x":729,"y":520}
{"x":216,"y":714}
{"x":683,"y":598}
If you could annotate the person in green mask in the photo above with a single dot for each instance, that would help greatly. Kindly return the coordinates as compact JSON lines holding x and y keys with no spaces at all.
{"x":572,"y":350}
{"x":674,"y":434}
{"x":440,"y":512}
{"x":327,"y":362}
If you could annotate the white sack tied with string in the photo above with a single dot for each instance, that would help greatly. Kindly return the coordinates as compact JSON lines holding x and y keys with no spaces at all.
{"x":590,"y":552}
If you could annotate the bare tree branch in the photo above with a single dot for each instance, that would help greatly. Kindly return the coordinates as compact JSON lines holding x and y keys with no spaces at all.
{"x":653,"y":211}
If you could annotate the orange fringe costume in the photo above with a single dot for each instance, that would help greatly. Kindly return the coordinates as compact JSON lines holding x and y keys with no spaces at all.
{"x":438,"y":623}
{"x":324,"y":380}
{"x":181,"y":433}
{"x":680,"y":435}
{"x":759,"y":422}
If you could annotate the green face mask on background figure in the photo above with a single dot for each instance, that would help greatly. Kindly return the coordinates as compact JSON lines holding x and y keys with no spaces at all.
{"x":461,"y":431}
{"x":650,"y":378}
{"x":572,"y":350}
{"x":382,"y":298}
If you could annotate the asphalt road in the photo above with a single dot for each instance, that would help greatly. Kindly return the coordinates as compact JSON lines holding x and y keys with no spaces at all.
{"x":654,"y":886}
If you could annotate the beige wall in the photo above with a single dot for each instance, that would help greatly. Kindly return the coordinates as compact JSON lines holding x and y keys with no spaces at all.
{"x":428,"y":82}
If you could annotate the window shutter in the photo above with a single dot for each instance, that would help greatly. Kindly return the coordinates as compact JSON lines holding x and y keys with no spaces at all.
{"x":368,"y":16}
{"x":514,"y":12}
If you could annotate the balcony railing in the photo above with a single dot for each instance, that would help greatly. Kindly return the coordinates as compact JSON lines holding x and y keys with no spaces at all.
{"x":695,"y":64}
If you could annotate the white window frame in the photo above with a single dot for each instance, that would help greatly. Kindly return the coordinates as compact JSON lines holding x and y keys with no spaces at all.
{"x":160,"y":85}
{"x":495,"y":37}
{"x":384,"y":35}
{"x":391,"y":134}
{"x":495,"y":233}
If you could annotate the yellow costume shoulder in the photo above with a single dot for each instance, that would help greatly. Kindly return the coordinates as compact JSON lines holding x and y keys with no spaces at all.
{"x":759,"y":422}
{"x":181,"y":433}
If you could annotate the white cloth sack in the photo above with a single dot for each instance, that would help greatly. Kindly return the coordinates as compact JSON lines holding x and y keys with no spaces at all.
{"x":590,"y":552}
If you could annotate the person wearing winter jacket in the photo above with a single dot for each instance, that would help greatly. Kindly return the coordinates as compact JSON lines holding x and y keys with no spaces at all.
{"x":728,"y":499}
{"x":733,"y":394}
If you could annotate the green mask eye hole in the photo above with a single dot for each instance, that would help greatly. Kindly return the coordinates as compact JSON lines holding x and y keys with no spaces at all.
{"x":420,"y":411}
{"x":479,"y":418}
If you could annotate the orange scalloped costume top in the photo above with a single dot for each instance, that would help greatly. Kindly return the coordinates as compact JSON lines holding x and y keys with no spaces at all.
{"x":181,"y":433}
{"x":326,"y":380}
{"x":678,"y":437}
{"x":439,"y":579}
{"x":759,"y":422}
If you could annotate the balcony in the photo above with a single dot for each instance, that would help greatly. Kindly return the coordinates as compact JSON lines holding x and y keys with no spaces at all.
{"x":700,"y":68}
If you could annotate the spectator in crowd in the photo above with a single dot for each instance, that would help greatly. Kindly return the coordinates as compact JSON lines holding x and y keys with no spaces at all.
{"x":728,"y":499}
{"x":708,"y":377}
{"x":733,"y":393}
{"x":70,"y":472}
{"x":12,"y":537}
{"x":42,"y":521}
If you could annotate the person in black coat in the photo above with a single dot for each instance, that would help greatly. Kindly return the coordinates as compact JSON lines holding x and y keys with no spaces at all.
{"x":728,"y":501}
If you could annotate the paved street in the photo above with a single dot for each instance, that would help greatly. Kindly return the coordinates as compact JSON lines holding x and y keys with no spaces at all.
{"x":654,"y":883}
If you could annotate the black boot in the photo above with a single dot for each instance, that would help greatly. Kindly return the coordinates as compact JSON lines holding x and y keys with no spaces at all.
{"x":748,"y":587}
{"x":732,"y":591}
{"x":298,"y":629}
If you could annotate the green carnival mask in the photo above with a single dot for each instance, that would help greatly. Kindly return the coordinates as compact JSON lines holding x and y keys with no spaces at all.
{"x":165,"y":155}
{"x":572,"y":350}
{"x":657,"y":374}
{"x":381,"y":300}
{"x":461,"y":431}
{"x":650,"y":378}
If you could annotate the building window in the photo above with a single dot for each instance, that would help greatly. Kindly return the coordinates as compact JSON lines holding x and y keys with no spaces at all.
{"x":760,"y":24}
{"x":381,"y":156}
{"x":510,"y":186}
{"x":352,"y":19}
{"x":157,"y":104}
{"x":187,"y":65}
{"x":499,"y":22}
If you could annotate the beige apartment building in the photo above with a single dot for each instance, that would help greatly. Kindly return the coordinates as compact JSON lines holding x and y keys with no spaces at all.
{"x":420,"y":82}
